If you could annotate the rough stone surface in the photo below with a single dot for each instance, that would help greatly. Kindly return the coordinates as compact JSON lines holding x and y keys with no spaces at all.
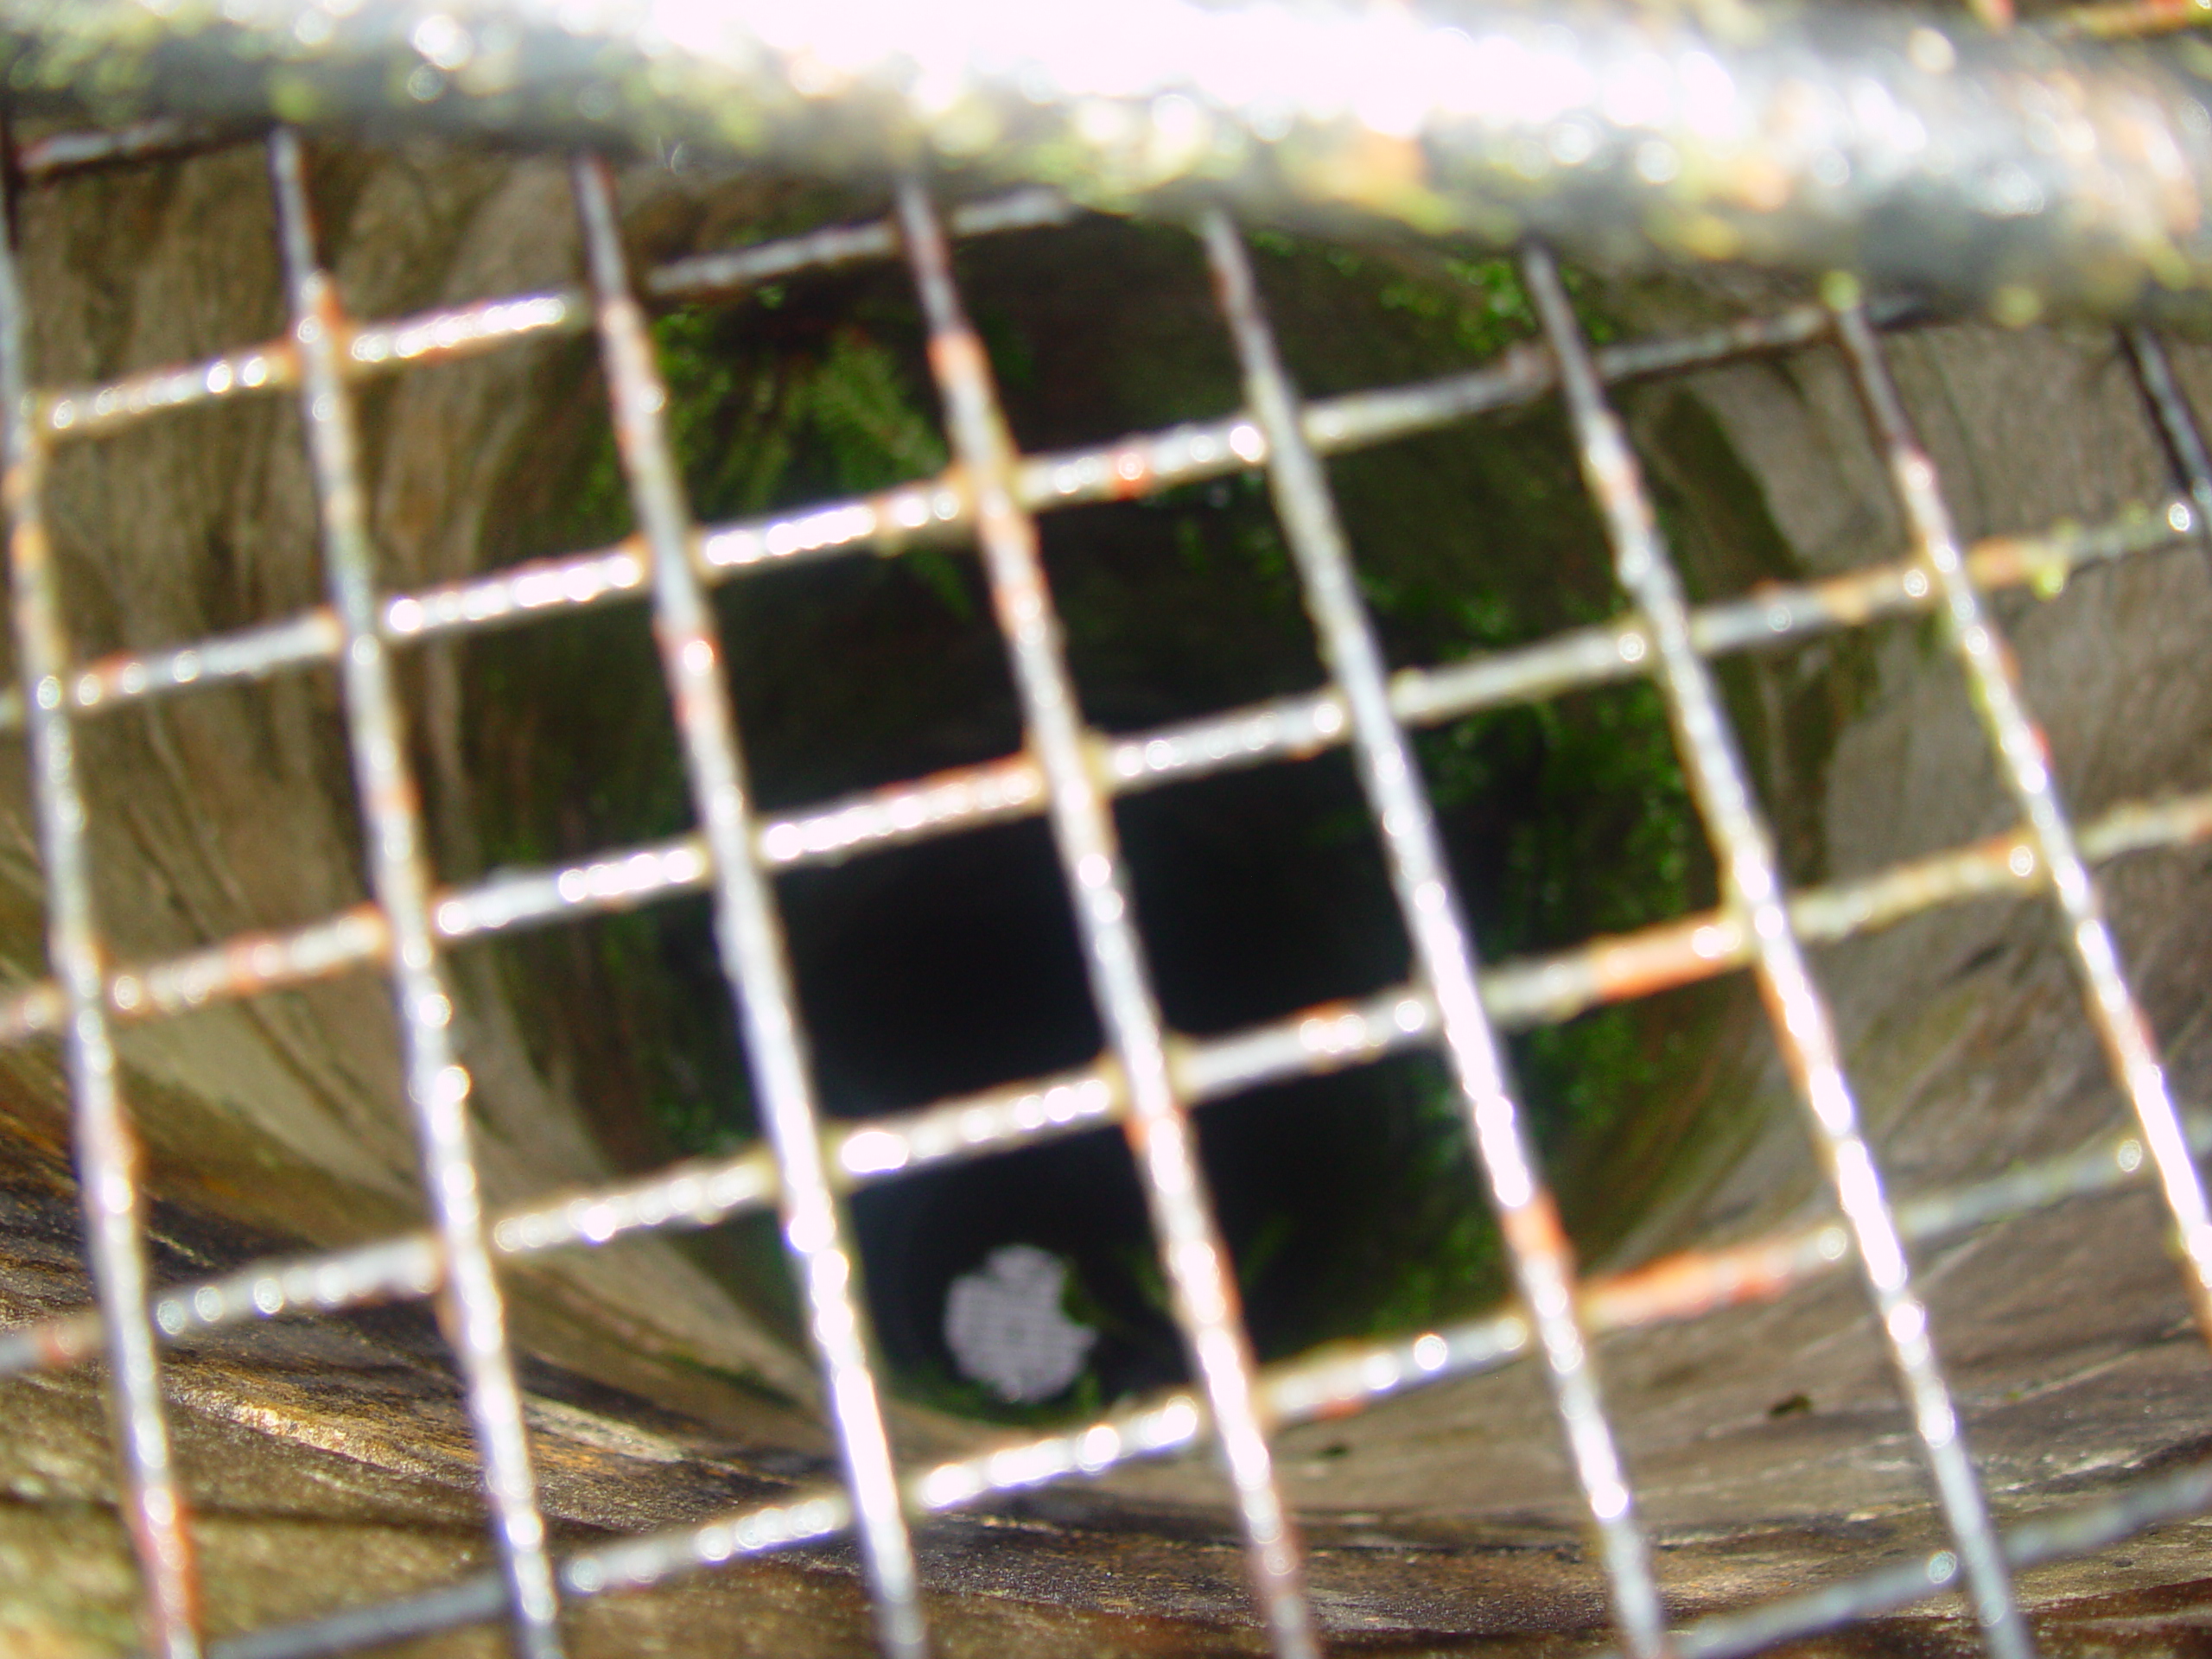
{"x":329,"y":1462}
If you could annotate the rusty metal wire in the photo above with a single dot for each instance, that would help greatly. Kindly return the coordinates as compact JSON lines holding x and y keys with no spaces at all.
{"x":1752,"y":895}
{"x":1153,"y":1078}
{"x":437,"y":1084}
{"x":2024,"y":756}
{"x":1191,"y":1254}
{"x":106,"y":1147}
{"x":747,"y":930}
{"x":1443,"y":949}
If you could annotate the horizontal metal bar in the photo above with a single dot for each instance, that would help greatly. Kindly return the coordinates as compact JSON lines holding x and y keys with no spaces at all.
{"x":1518,"y":993}
{"x":1128,"y":468}
{"x":240,"y":966}
{"x":1296,"y":727}
{"x":1553,"y":990}
{"x":1912,"y":147}
{"x":59,"y":155}
{"x":251,"y":654}
{"x":620,"y":880}
{"x":453,"y":332}
{"x":2081,"y":1530}
{"x":703,"y":1193}
{"x":475,"y":1600}
{"x":99,"y":410}
{"x":103,"y":410}
{"x":1346,"y":1377}
{"x":722,"y":271}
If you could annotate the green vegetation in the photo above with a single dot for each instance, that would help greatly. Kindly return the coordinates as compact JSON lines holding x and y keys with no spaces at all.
{"x":1565,"y":820}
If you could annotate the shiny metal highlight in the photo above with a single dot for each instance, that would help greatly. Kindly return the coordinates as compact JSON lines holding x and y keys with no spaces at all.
{"x":747,"y":931}
{"x":2023,"y":760}
{"x":1543,"y":1265}
{"x":106,"y":1146}
{"x":1751,"y":889}
{"x":668,"y":560}
{"x":1203,"y":1285}
{"x":437,"y":1083}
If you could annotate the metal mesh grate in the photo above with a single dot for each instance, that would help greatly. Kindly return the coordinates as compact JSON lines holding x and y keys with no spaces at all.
{"x":1146,"y":1083}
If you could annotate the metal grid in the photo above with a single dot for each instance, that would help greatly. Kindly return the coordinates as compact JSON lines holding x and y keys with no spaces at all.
{"x":1150,"y":1082}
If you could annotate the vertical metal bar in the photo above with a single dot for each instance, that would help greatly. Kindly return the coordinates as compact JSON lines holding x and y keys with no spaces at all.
{"x":746,"y":927}
{"x":2178,"y":426}
{"x":1752,"y":886}
{"x":1544,"y":1263}
{"x":106,"y":1148}
{"x":1204,"y":1287}
{"x":2024,"y":758}
{"x":437,"y":1085}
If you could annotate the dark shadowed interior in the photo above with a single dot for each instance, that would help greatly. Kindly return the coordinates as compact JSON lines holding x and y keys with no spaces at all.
{"x":329,"y":1460}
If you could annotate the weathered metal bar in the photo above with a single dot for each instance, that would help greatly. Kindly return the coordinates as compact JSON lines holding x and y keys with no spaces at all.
{"x":2183,"y":1493}
{"x":455,"y":332}
{"x":78,"y":413}
{"x":1751,"y":889}
{"x":1915,"y":148}
{"x":95,"y":411}
{"x":2023,"y":756}
{"x":747,"y":931}
{"x":2178,"y":428}
{"x":310,"y":638}
{"x":437,"y":1084}
{"x":1345,"y":1378}
{"x":57,"y":155}
{"x":619,"y":880}
{"x":105,"y":1145}
{"x":1314,"y":1040}
{"x":1130,"y":467}
{"x":1443,"y":949}
{"x":1194,"y":1260}
{"x":1286,"y":728}
{"x":1551,"y":989}
{"x":1517,"y":993}
{"x":724,"y":270}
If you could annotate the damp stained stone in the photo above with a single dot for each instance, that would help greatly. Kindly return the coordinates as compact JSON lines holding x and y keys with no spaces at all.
{"x":275,"y":1132}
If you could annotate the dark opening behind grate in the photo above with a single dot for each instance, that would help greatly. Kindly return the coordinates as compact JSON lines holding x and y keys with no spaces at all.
{"x":825,"y":1137}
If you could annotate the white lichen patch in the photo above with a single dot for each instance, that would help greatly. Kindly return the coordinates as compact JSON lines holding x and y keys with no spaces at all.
{"x":1007,"y":1331}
